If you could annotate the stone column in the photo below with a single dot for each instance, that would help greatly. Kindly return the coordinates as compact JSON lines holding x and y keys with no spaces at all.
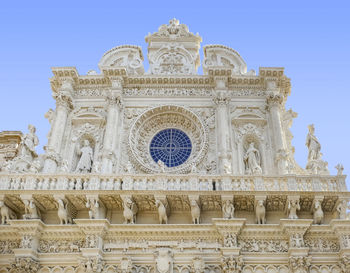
{"x":63,"y":107}
{"x":222,"y":100}
{"x":274,"y":101}
{"x":109,"y":141}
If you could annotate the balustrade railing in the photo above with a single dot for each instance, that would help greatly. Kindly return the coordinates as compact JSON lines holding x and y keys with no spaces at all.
{"x":171,"y":182}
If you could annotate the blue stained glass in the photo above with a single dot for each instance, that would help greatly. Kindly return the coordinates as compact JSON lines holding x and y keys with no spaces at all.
{"x":172,"y":146}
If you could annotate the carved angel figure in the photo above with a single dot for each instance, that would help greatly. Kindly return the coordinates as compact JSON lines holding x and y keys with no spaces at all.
{"x":29,"y":142}
{"x":228,"y":209}
{"x":252,"y":160}
{"x":86,"y":158}
{"x":313,"y":145}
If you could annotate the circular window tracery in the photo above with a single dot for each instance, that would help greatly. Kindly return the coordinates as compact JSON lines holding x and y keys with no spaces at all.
{"x":153,"y":121}
{"x":172,"y":146}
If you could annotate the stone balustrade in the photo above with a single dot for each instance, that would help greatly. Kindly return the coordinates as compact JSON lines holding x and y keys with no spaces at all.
{"x":305,"y":183}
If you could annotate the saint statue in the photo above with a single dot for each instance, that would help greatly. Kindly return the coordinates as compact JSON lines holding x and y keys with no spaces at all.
{"x":29,"y":142}
{"x":252,"y":160}
{"x":313,"y":145}
{"x":86,"y":158}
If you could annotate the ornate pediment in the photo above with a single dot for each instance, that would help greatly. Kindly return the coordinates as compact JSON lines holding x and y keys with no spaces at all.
{"x":173,"y":50}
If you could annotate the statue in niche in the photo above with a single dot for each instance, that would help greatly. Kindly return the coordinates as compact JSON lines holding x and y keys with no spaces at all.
{"x":86,"y":158}
{"x":228,"y":209}
{"x":313,"y":145}
{"x":252,"y":160}
{"x":29,"y":142}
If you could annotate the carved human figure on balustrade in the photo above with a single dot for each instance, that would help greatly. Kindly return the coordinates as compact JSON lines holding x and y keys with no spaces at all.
{"x":313,"y":145}
{"x":318,"y":213}
{"x":341,"y":209}
{"x":93,"y":206}
{"x":252,"y":160}
{"x":293,"y":207}
{"x":28,"y":143}
{"x":86,"y":158}
{"x":228,"y":209}
{"x":6,"y":213}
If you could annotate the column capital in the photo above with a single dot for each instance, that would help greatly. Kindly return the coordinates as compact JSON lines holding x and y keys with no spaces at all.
{"x":274,"y":99}
{"x":221,"y":98}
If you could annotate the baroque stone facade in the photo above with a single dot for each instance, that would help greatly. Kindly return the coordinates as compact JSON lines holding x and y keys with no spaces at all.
{"x":169,"y":171}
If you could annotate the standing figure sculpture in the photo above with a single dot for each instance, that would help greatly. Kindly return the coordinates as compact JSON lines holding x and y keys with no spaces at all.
{"x":293,"y":206}
{"x":86,"y":158}
{"x":252,"y":160}
{"x":228,"y":210}
{"x":130,"y":211}
{"x":29,"y":142}
{"x":313,"y":145}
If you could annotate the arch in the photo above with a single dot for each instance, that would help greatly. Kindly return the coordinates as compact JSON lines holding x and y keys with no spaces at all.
{"x":57,"y":269}
{"x":44,"y":269}
{"x":69,"y":269}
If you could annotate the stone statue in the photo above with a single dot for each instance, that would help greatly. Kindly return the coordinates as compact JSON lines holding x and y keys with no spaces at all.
{"x":6,"y":213}
{"x":195,"y":212}
{"x":318,"y":213}
{"x":62,"y":213}
{"x":313,"y":145}
{"x":86,"y":158}
{"x":29,"y":142}
{"x":293,"y":206}
{"x":252,"y":160}
{"x":260,"y":212}
{"x":30,"y":210}
{"x":340,"y":169}
{"x":228,"y":209}
{"x":93,"y":206}
{"x":163,"y":218}
{"x":130,"y":211}
{"x":341,"y":209}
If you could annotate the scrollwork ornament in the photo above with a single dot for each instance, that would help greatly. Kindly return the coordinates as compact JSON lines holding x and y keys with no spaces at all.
{"x":299,"y":264}
{"x":25,"y":265}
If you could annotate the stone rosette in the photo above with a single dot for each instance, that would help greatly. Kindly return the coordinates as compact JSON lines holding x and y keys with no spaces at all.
{"x":152,"y":121}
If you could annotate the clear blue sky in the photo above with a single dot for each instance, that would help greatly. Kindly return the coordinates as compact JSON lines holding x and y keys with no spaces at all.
{"x":311,"y":39}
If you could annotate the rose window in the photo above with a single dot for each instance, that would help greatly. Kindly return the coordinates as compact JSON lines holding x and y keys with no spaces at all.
{"x":172,"y":146}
